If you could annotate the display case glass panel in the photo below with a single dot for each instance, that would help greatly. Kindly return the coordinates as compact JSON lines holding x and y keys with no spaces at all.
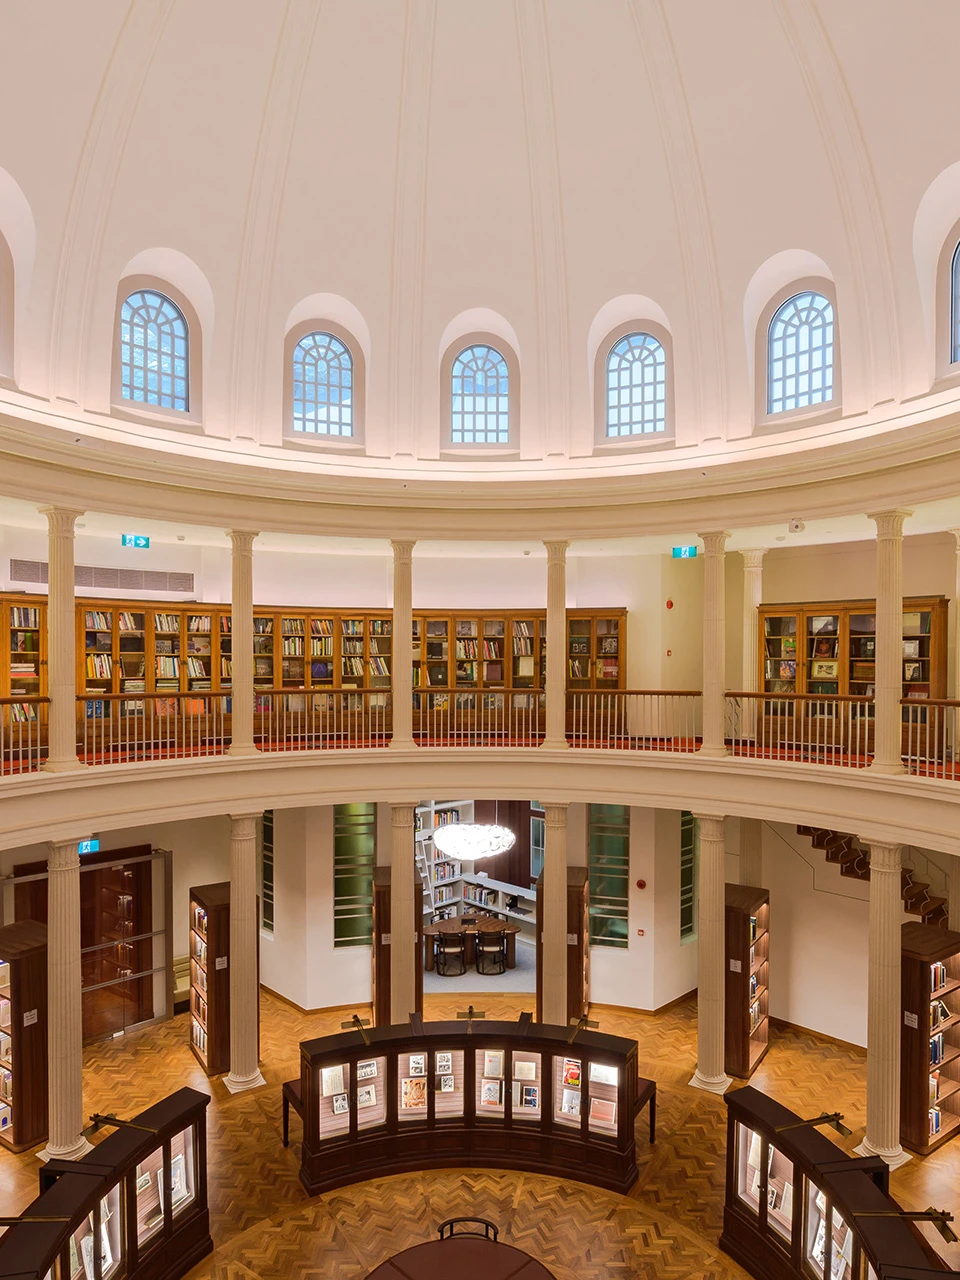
{"x":567,"y":1086}
{"x":823,"y":654}
{"x":334,"y":1109}
{"x":448,"y":1084}
{"x":371,"y":1092}
{"x":183,"y":1172}
{"x":412,"y":1081}
{"x":841,"y":1252}
{"x":491,"y":1083}
{"x":526,"y":1086}
{"x":815,"y":1230}
{"x":780,"y":1194}
{"x":749,"y":1153}
{"x":604,"y":1088}
{"x":780,"y":654}
{"x":80,"y":1251}
{"x":112,"y":1235}
{"x":149,"y":1195}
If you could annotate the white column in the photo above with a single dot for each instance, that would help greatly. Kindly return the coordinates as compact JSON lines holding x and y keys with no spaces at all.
{"x":241,"y":644}
{"x":556,"y":646}
{"x":553,"y":936}
{"x":889,"y":660}
{"x":884,"y":1007}
{"x":714,"y":644}
{"x":710,"y":1074}
{"x":401,"y":682}
{"x":64,"y":1006}
{"x":404,"y":934}
{"x":244,"y":940}
{"x":751,"y":852}
{"x":61,"y":642}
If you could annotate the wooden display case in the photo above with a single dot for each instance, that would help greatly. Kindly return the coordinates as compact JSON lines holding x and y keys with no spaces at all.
{"x":141,"y":1193}
{"x":517,"y":1095}
{"x":578,"y":943}
{"x":747,"y":978}
{"x":23,"y":1034}
{"x":210,"y":976}
{"x":380,"y":958}
{"x":596,"y":648}
{"x":929,"y":1037}
{"x":798,"y":1208}
{"x":23,"y":637}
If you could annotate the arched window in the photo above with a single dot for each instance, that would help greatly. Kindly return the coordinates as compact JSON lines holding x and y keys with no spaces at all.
{"x":636,"y":386}
{"x":955,"y":307}
{"x":154,"y":351}
{"x":322,"y":386}
{"x":800,"y":344}
{"x":480,"y":397}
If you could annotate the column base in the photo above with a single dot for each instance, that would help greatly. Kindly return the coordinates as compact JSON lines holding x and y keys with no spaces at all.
{"x":239,"y":749}
{"x":713,"y":753}
{"x":886,"y":767}
{"x":554,"y":744}
{"x":894,"y":1157}
{"x":70,"y":765}
{"x":402,"y":744}
{"x":238,"y":1084}
{"x":75,"y":1152}
{"x":712,"y":1084}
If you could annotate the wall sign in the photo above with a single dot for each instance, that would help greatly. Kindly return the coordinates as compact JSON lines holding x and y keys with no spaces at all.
{"x":221,"y":962}
{"x":684,"y":553}
{"x":30,"y":1018}
{"x":88,"y":846}
{"x":138,"y":540}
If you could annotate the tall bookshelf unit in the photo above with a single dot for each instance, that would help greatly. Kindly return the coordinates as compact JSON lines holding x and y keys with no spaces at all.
{"x":440,"y":876}
{"x":929,"y":1037}
{"x":25,"y":644}
{"x":210,"y":976}
{"x":747,"y":979}
{"x":23,"y":1034}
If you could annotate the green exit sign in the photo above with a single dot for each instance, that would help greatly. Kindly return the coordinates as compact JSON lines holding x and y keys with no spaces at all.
{"x":684,"y":553}
{"x":139,"y":540}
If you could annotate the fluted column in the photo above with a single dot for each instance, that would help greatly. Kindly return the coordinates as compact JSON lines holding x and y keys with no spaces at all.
{"x":61,"y":642}
{"x":710,"y":1074}
{"x":889,"y":660}
{"x":64,"y":1006}
{"x":241,"y":644}
{"x":883,"y":1007}
{"x":244,"y":939}
{"x":401,"y":681}
{"x":556,"y":646}
{"x":751,"y":852}
{"x":714,"y":644}
{"x":752,"y":599}
{"x":553,"y":936}
{"x":404,"y":934}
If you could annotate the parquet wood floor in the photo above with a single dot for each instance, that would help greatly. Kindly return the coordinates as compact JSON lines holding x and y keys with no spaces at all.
{"x":264,"y":1225}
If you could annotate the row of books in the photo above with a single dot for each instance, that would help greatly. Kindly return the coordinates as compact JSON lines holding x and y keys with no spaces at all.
{"x":99,"y":666}
{"x":938,"y":975}
{"x":936,"y":1049}
{"x":169,"y":622}
{"x":24,"y":617}
{"x":24,"y":641}
{"x":353,"y":647}
{"x":446,"y":871}
{"x":483,"y":897}
{"x":167,"y":667}
{"x":292,"y":647}
{"x":199,"y":1036}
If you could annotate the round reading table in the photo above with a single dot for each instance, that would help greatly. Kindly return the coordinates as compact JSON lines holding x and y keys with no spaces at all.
{"x":467,"y":1257}
{"x":482,"y":924}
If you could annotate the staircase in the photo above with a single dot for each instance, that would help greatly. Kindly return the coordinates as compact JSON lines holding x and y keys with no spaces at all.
{"x":853,"y":859}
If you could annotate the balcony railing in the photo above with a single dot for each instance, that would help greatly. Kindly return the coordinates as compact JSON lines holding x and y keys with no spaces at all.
{"x":814,"y":728}
{"x":23,"y":734}
{"x":478,"y":717}
{"x":929,"y":740}
{"x":635,"y":719}
{"x":118,"y":728}
{"x":286,"y":721}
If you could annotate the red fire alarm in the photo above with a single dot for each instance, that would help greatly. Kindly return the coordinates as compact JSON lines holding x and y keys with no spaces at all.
{"x":639,"y":933}
{"x":641,"y":884}
{"x":669,"y":604}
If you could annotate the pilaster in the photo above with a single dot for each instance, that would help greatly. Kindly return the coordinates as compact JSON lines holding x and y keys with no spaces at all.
{"x":714,"y":644}
{"x":888,"y":685}
{"x":556,"y":646}
{"x":61,"y":641}
{"x":401,"y":681}
{"x":241,"y":644}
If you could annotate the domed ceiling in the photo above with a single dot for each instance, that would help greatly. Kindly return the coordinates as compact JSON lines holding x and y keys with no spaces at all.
{"x":417,"y":170}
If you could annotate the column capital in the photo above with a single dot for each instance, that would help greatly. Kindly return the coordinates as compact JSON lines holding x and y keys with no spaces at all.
{"x":711,"y":824}
{"x":889,"y":523}
{"x":556,"y":552}
{"x":402,"y":815}
{"x":242,"y":539}
{"x":556,"y":815}
{"x":956,"y":535}
{"x":884,"y":856}
{"x":402,"y":550}
{"x":714,"y":542}
{"x":244,"y":825}
{"x":753,"y":557}
{"x":64,"y":855}
{"x":60,"y":519}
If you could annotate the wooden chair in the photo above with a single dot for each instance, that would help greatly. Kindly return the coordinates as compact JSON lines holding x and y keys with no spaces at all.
{"x":491,"y":953}
{"x":451,"y":961}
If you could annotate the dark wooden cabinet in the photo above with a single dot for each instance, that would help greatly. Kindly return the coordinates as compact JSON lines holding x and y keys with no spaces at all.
{"x":514,"y":1095}
{"x":23,"y":1034}
{"x":578,"y":943}
{"x":381,"y":945}
{"x":133,"y":1207}
{"x":929,"y":1037}
{"x":747,"y":978}
{"x":210,"y":976}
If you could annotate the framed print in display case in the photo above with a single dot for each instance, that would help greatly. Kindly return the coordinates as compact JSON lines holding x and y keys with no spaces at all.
{"x":530,"y":1097}
{"x":331,"y":1081}
{"x":493,"y":1064}
{"x":366,"y":1070}
{"x":418,"y":1064}
{"x":603,"y":1111}
{"x":444,"y":1084}
{"x":524,"y":1070}
{"x":178,"y":1180}
{"x":444,"y":1064}
{"x":366,"y":1096}
{"x":341,"y":1104}
{"x":491,"y":1093}
{"x":571,"y":1074}
{"x":911,"y":648}
{"x":413,"y":1093}
{"x":600,"y":1074}
{"x":911,"y":671}
{"x":824,"y":670}
{"x":570,"y":1102}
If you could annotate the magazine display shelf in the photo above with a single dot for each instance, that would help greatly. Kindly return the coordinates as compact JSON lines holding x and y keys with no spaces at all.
{"x":141,"y":1192}
{"x":508,"y":1095}
{"x":797,"y":1207}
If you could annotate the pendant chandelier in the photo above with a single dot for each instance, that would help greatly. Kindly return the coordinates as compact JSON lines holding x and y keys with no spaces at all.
{"x":468,"y":841}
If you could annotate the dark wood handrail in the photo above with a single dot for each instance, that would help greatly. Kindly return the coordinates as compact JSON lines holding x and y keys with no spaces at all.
{"x":929,"y":702}
{"x":799,"y":697}
{"x":33,"y":699}
{"x":456,"y":688}
{"x":637,"y":693}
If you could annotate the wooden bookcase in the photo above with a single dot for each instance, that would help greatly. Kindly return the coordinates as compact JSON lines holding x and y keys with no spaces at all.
{"x":210,"y":976}
{"x":382,"y":911}
{"x":578,"y":943}
{"x":929,"y":1037}
{"x":23,"y":1034}
{"x":747,"y":979}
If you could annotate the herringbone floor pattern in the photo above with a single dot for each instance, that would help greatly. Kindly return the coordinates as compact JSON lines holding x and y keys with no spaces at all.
{"x":264,"y":1226}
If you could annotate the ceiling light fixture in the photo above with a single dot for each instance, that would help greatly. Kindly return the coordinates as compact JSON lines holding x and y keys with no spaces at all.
{"x":469,"y":841}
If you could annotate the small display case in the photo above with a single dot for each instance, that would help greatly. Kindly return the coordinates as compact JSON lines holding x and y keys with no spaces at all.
{"x":798,"y":1208}
{"x":23,"y":1034}
{"x":504,"y":1095}
{"x":747,"y":978}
